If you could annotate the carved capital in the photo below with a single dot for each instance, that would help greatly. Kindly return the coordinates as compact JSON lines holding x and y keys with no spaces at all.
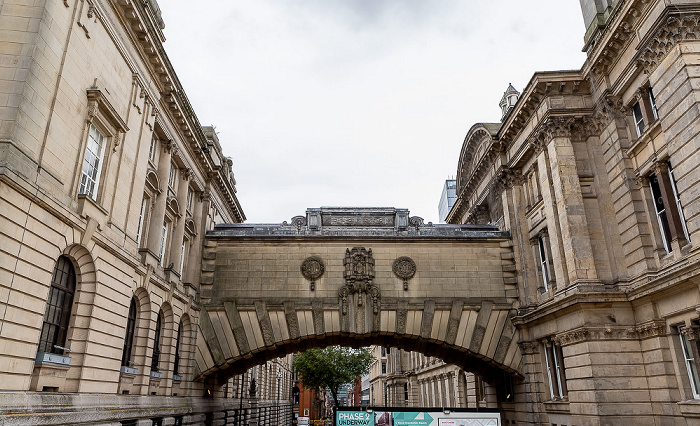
{"x":692,"y":333}
{"x":655,"y":328}
{"x":557,"y":127}
{"x":510,"y":177}
{"x":528,"y":348}
{"x":660,"y":168}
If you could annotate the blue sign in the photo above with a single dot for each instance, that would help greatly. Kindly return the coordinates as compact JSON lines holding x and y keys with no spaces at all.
{"x":354,"y":418}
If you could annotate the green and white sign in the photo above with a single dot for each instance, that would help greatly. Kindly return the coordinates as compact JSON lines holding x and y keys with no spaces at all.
{"x":354,"y":418}
{"x":412,"y":419}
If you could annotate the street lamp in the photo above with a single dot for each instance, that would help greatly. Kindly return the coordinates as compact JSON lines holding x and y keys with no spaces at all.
{"x":279,"y":379}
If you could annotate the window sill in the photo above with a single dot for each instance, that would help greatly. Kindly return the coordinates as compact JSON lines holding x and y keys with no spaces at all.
{"x":87,"y":207}
{"x":128,"y":371}
{"x":557,"y":405}
{"x":644,"y":138}
{"x":56,"y":360}
{"x":690,"y":408}
{"x":157,"y":375}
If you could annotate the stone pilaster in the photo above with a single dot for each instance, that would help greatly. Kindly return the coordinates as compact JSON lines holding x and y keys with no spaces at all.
{"x":158,"y":213}
{"x":575,"y":237}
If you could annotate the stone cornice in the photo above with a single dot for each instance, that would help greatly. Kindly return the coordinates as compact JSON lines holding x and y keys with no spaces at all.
{"x":671,"y":30}
{"x":148,"y":38}
{"x":541,"y":86}
{"x":606,"y":50}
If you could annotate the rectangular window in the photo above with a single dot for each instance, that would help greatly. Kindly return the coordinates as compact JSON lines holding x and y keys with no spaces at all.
{"x":638,"y":118}
{"x":92,"y":164}
{"x":690,"y":365}
{"x":142,"y":216}
{"x":152,"y":150}
{"x":171,"y":176}
{"x":189,"y":199}
{"x":677,"y":200}
{"x":163,"y":241}
{"x":652,"y":103}
{"x":555,"y":371}
{"x":383,"y":367}
{"x":660,"y":209}
{"x":543,"y":262}
{"x":182,"y":258}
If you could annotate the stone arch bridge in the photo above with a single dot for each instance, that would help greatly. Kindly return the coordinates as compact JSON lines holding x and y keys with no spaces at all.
{"x":356,"y":277}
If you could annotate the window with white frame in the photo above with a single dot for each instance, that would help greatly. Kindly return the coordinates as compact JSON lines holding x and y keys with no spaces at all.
{"x":554,"y":363}
{"x":142,"y":220}
{"x":690,"y":365}
{"x":171,"y":176}
{"x":677,"y":200}
{"x":660,"y":210}
{"x":182,"y":257}
{"x":543,"y":262}
{"x":666,"y":208}
{"x":652,"y":103}
{"x":92,"y":163}
{"x":163,"y":243}
{"x":152,"y":149}
{"x":638,"y":118}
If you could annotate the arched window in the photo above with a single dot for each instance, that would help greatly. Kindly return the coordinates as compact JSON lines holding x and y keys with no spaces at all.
{"x":129,"y":337}
{"x":176,"y":367}
{"x":58,"y":308}
{"x":155,"y":360}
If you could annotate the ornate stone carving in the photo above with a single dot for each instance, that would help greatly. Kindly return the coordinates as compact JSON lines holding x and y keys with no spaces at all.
{"x":557,"y":127}
{"x":404,"y":268}
{"x":509,"y":178}
{"x":596,"y":333}
{"x":655,"y":328}
{"x":416,"y":221}
{"x":359,"y":273}
{"x":356,"y":220}
{"x":678,"y":27}
{"x":312,"y":268}
{"x":299,"y":221}
{"x":528,"y":348}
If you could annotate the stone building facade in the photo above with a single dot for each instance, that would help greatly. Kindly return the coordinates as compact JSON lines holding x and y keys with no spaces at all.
{"x":595,"y":174}
{"x":108,"y":183}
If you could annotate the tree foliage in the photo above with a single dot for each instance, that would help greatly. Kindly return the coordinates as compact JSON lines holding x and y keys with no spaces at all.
{"x":331,"y":367}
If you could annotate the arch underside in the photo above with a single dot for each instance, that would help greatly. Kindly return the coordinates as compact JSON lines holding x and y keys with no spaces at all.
{"x":478,"y":338}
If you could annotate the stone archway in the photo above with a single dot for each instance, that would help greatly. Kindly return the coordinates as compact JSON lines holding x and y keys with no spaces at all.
{"x":357,"y":277}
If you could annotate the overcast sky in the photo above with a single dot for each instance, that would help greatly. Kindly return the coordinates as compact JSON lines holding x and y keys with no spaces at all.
{"x":357,"y":102}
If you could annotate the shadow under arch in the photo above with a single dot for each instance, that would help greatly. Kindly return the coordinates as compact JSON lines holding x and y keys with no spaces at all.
{"x":465,"y":359}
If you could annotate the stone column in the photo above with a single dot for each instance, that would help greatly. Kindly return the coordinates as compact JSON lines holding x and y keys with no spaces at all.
{"x":179,"y":226}
{"x":451,"y":387}
{"x":158,"y":213}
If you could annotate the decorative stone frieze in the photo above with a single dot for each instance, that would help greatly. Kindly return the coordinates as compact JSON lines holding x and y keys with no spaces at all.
{"x":595,"y":333}
{"x":655,"y":328}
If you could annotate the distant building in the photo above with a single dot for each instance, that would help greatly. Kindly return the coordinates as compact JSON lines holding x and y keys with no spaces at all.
{"x":447,"y":199}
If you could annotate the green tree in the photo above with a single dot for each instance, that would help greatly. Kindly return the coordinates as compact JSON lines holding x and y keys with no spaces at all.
{"x":332,"y":367}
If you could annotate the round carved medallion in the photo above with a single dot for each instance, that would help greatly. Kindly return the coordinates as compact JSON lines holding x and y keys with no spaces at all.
{"x":405,"y":268}
{"x":312,"y":268}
